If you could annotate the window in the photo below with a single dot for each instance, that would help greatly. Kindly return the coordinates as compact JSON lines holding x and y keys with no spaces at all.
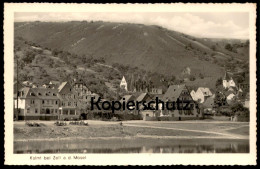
{"x":43,"y":102}
{"x":54,"y":94}
{"x":52,"y":102}
{"x":36,"y":110}
{"x":32,"y":101}
{"x":147,"y":115}
{"x":39,"y":94}
{"x":75,"y":103}
{"x":56,"y":101}
{"x":56,"y":111}
{"x":28,"y":110}
{"x":69,"y":103}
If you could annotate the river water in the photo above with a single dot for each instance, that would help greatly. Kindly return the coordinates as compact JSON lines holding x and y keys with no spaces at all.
{"x":133,"y":145}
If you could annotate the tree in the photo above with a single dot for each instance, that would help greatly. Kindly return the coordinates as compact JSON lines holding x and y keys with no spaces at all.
{"x":219,"y":82}
{"x":192,"y":78}
{"x":228,"y":47}
{"x":201,"y":76}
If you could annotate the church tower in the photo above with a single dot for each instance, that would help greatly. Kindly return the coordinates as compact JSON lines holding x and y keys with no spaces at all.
{"x":123,"y":84}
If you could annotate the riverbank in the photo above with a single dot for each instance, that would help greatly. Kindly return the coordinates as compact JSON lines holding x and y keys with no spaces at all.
{"x":131,"y":129}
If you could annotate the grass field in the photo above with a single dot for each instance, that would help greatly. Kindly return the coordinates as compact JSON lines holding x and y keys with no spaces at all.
{"x":101,"y":129}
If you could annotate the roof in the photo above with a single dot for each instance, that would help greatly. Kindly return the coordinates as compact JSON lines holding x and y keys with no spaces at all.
{"x":55,"y":82}
{"x":227,"y":77}
{"x":62,"y":85}
{"x":209,"y":103}
{"x":143,"y":97}
{"x":39,"y":93}
{"x":127,"y":98}
{"x":159,"y":96}
{"x":205,"y":90}
{"x":79,"y":81}
{"x":173,"y":92}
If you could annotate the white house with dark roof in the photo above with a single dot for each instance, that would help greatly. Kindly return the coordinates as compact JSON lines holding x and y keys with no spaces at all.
{"x":228,"y":81}
{"x":201,"y":94}
{"x":37,"y":104}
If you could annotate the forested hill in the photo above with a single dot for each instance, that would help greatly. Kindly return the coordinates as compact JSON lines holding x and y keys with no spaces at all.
{"x":150,"y":48}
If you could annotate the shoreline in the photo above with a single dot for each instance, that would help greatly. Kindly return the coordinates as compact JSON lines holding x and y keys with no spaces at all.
{"x":128,"y":138}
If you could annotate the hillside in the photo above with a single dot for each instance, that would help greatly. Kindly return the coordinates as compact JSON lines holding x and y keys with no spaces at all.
{"x":148,"y":48}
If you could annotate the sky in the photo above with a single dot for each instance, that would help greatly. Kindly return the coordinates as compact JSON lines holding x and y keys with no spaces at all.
{"x":199,"y":24}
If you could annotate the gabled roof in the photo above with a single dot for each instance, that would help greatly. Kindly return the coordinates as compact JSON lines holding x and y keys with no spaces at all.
{"x":25,"y":91}
{"x":127,"y":98}
{"x":62,"y":85}
{"x":173,"y":92}
{"x":227,"y":77}
{"x":143,"y":97}
{"x":209,"y":103}
{"x":38,"y":93}
{"x":205,"y":90}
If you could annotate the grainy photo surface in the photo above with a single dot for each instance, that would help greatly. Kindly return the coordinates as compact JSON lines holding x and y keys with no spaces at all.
{"x":148,"y":83}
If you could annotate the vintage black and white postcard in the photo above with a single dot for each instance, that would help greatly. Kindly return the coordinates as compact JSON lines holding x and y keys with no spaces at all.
{"x":130,"y":84}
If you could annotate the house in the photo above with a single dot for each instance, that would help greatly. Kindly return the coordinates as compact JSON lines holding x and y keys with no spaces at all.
{"x":27,"y":83}
{"x":127,"y":98}
{"x":84,"y":95}
{"x":123,"y":83}
{"x":201,"y":94}
{"x":54,"y":82}
{"x":177,"y":93}
{"x":156,"y":91}
{"x":231,"y":96}
{"x":243,"y":87}
{"x":37,"y":104}
{"x":68,"y":101}
{"x":208,"y":105}
{"x":145,"y":98}
{"x":228,"y":81}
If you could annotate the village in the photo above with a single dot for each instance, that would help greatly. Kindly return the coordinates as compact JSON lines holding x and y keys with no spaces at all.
{"x":71,"y":101}
{"x":105,"y":86}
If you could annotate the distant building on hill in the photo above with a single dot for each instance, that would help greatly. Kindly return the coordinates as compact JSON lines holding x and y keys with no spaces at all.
{"x":123,"y":84}
{"x":228,"y":81}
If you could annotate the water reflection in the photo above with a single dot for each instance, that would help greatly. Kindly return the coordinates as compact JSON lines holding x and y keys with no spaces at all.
{"x":133,"y":146}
